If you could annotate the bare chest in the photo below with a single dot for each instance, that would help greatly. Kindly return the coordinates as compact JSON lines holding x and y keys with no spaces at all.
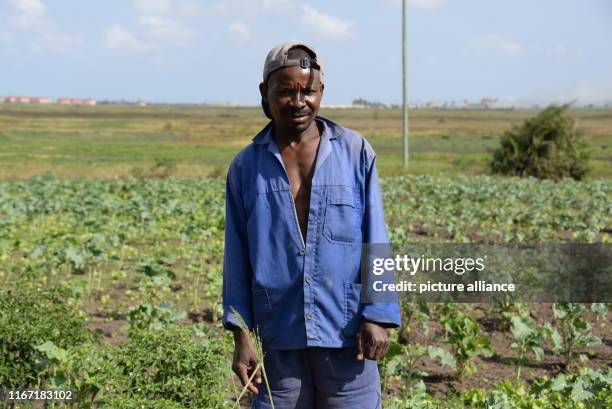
{"x":299,"y":164}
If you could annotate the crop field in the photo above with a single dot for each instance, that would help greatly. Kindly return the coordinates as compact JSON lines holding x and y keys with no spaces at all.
{"x":111,"y":245}
{"x":110,"y":141}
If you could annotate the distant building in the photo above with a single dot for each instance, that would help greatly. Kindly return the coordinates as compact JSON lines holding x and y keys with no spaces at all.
{"x":46,"y":100}
{"x":76,"y":101}
{"x":26,"y":100}
{"x":41,"y":100}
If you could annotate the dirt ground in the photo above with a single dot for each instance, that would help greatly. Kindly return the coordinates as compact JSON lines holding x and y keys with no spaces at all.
{"x":500,"y":366}
{"x":439,"y":381}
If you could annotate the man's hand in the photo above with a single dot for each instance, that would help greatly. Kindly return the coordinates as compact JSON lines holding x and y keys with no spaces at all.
{"x":245,"y":361}
{"x":372,"y":341}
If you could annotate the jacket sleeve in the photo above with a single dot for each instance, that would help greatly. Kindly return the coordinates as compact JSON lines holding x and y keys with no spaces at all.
{"x":375,"y":232}
{"x":237,"y":303}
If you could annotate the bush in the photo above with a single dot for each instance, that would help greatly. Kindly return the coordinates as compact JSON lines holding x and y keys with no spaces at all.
{"x":139,"y":403}
{"x":30,"y":318}
{"x":546,"y":146}
{"x":171,"y":364}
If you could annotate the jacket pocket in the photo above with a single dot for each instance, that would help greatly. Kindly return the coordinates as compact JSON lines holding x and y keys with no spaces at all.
{"x":342,"y":221}
{"x":261,"y":305}
{"x":352,"y":309}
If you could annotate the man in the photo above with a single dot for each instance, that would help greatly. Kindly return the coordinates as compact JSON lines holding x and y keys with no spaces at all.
{"x":301,"y":199}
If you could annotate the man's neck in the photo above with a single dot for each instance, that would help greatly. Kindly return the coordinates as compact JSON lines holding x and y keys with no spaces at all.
{"x":286,"y":138}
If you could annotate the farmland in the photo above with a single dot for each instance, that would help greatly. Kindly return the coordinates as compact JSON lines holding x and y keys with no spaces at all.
{"x":112,"y":141}
{"x":110,"y":266}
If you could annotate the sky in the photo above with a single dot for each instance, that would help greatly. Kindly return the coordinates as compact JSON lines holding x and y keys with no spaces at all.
{"x":523,"y":52}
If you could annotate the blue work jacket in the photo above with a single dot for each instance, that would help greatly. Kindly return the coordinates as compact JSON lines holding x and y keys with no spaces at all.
{"x":300,"y":294}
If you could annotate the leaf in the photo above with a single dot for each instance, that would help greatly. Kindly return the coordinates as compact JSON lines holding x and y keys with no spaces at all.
{"x":538,"y":352}
{"x":442,"y":356}
{"x":601,"y":309}
{"x":52,"y":351}
{"x":555,"y":338}
{"x":559,"y":383}
{"x":394,"y":349}
{"x":579,"y":393}
{"x":520,"y":329}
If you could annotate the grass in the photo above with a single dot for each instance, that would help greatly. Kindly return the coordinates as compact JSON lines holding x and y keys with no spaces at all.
{"x":110,"y":141}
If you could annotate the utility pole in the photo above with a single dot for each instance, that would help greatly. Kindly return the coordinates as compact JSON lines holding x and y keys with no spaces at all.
{"x":405,"y":82}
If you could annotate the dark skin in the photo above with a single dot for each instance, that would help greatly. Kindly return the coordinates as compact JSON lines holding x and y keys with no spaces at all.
{"x":294,"y":96}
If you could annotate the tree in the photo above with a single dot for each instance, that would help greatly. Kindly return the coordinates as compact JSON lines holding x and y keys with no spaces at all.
{"x":546,"y":146}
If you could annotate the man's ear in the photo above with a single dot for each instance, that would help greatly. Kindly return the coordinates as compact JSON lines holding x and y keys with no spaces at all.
{"x":263,"y":90}
{"x":322,"y":88}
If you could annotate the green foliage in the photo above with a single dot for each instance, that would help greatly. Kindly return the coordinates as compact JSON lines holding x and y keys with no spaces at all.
{"x":492,"y":209}
{"x":587,"y":390}
{"x":156,"y":276}
{"x":35,"y":323}
{"x":467,"y":343}
{"x":414,"y":313}
{"x":172,"y":364}
{"x":601,"y":310}
{"x":506,"y":309}
{"x":153,"y":317}
{"x":546,"y":146}
{"x":571,"y":331}
{"x":528,"y":338}
{"x":142,"y":403}
{"x":405,"y":361}
{"x":153,"y":248}
{"x":417,"y":397}
{"x":88,"y":369}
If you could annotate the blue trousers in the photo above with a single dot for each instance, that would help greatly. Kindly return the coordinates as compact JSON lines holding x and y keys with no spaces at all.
{"x":319,"y":378}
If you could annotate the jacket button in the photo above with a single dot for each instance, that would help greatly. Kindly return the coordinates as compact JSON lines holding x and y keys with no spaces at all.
{"x":302,"y":252}
{"x":308,"y":279}
{"x":308,"y":315}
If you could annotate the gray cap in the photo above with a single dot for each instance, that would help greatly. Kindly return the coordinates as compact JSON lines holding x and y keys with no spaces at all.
{"x":278,"y":58}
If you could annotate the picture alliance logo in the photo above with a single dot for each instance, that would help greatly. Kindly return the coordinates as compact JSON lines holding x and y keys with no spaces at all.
{"x":442,"y":287}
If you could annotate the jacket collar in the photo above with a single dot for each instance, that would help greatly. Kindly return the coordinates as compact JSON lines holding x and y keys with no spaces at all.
{"x":265,"y":136}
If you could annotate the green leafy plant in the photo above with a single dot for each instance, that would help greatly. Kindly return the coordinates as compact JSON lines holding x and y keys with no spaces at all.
{"x":546,"y":146}
{"x":506,"y":309}
{"x":571,"y":331}
{"x":528,"y":338}
{"x":172,"y":364}
{"x":467,"y":343}
{"x":34,"y":323}
{"x":414,"y":313}
{"x":405,"y":361}
{"x":86,"y":369}
{"x":153,"y":317}
{"x":601,"y":311}
{"x":588,"y":389}
{"x":126,"y":402}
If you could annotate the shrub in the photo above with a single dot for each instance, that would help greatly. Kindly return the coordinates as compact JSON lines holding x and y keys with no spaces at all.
{"x":546,"y":146}
{"x":140,"y":403}
{"x":171,"y":364}
{"x":29,"y":318}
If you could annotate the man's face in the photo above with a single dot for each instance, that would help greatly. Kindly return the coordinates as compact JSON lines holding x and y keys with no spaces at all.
{"x":294,"y":97}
